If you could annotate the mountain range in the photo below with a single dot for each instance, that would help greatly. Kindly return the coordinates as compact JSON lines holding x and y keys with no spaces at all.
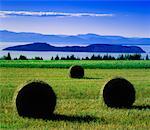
{"x":9,"y":36}
{"x":90,"y":48}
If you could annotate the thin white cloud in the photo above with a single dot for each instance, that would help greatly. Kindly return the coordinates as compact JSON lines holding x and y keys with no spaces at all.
{"x":51,"y":14}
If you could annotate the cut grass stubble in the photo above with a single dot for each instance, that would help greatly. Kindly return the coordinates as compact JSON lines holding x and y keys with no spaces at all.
{"x":78,"y":105}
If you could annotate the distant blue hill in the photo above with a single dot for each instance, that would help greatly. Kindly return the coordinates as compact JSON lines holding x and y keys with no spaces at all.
{"x":8,"y":36}
{"x":91,"y":48}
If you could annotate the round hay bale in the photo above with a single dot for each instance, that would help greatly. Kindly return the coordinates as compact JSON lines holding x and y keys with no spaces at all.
{"x":76,"y":71}
{"x":118,"y":93}
{"x":36,"y":99}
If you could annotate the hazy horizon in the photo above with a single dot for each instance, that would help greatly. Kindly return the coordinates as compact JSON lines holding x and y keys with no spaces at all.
{"x":71,"y":34}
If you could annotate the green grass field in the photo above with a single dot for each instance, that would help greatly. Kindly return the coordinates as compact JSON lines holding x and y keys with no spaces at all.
{"x":102,"y":64}
{"x":78,"y":100}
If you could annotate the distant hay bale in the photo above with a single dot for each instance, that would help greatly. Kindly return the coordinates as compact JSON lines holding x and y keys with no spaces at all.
{"x":36,"y":99}
{"x":118,"y":93}
{"x":76,"y":71}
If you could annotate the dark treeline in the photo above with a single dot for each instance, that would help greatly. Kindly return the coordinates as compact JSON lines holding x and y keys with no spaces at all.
{"x":93,"y":57}
{"x":21,"y":57}
{"x":105,"y":57}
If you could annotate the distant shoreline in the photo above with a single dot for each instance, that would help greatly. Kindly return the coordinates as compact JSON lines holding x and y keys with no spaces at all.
{"x":101,"y":48}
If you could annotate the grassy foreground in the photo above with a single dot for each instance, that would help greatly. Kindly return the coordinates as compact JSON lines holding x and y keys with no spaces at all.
{"x":102,"y":64}
{"x":78,"y":100}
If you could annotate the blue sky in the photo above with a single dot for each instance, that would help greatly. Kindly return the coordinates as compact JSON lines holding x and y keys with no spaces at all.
{"x":130,"y":18}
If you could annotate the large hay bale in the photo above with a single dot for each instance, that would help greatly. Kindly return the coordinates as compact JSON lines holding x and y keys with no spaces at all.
{"x":118,"y":93}
{"x":36,"y":99}
{"x":76,"y":71}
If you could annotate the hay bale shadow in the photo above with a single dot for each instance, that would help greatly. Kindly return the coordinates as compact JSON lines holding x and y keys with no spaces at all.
{"x":140,"y":107}
{"x":91,"y":78}
{"x":118,"y":93}
{"x":73,"y":118}
{"x":76,"y":71}
{"x":36,"y":99}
